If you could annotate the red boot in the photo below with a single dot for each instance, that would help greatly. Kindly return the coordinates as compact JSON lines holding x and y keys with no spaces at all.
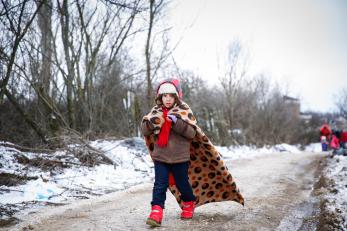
{"x":187,"y":210}
{"x":155,"y":217}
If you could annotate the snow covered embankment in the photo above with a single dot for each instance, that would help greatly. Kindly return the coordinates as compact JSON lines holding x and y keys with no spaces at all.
{"x":30,"y":180}
{"x":332,"y":191}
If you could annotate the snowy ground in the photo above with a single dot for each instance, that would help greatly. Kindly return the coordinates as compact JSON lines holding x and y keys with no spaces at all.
{"x":334,"y":195}
{"x":132,"y":167}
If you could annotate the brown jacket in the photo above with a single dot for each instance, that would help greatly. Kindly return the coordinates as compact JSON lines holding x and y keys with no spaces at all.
{"x":178,"y":147}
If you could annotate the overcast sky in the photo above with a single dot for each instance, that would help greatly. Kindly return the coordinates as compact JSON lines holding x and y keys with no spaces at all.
{"x":302,"y":43}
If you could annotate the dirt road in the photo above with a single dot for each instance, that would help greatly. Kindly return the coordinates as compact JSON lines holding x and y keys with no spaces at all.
{"x":276,"y":188}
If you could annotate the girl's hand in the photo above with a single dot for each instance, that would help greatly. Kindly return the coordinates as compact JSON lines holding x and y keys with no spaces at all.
{"x":173,"y":118}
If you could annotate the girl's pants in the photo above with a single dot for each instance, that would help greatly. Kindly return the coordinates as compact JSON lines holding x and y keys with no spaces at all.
{"x":161,"y":182}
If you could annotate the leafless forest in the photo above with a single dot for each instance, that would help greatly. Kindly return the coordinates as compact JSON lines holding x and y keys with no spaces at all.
{"x":81,"y":69}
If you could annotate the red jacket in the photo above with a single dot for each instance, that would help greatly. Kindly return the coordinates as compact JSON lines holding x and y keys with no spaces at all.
{"x":343,"y":137}
{"x":325,"y":130}
{"x":334,"y":144}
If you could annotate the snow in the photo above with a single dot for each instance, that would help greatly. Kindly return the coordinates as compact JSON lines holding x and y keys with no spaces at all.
{"x":314,"y":147}
{"x":133,"y":166}
{"x":337,"y":197}
{"x":235,"y":152}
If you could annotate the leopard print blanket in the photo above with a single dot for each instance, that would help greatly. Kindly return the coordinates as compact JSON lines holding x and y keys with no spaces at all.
{"x":208,"y":175}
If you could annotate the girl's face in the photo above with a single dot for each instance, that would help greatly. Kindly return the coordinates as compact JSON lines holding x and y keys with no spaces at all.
{"x":168,"y":100}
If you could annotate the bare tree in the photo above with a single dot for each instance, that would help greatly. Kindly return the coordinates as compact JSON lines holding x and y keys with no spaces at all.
{"x":93,"y":42}
{"x":43,"y":83}
{"x":45,"y":25}
{"x":68,"y":54}
{"x":16,"y":19}
{"x":154,"y":9}
{"x":71,"y":61}
{"x":92,"y":37}
{"x":271,"y":119}
{"x":60,"y":68}
{"x":232,"y":79}
{"x":341,"y":102}
{"x":147,"y":53}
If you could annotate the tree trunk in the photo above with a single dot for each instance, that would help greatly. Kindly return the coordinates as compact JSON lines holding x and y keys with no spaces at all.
{"x":148,"y":56}
{"x":65,"y":27}
{"x":45,"y":73}
{"x":45,"y":25}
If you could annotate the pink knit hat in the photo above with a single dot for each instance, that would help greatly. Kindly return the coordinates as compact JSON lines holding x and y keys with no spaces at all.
{"x":172,"y":86}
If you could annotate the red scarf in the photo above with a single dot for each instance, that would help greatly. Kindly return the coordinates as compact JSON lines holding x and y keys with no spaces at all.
{"x":163,"y":136}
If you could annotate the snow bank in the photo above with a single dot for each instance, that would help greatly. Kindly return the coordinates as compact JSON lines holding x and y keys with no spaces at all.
{"x":337,"y":197}
{"x":132,"y":167}
{"x":314,"y":147}
{"x":235,"y":152}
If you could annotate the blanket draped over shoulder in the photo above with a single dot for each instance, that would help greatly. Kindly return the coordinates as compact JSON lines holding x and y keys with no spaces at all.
{"x":208,"y":175}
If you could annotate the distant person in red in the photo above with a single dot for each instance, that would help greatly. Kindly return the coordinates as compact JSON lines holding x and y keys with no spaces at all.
{"x":343,"y":139}
{"x":325,"y":130}
{"x":335,"y":143}
{"x":338,"y":143}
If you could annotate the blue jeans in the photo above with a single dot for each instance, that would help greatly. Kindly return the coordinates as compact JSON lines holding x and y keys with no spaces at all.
{"x":161,"y":182}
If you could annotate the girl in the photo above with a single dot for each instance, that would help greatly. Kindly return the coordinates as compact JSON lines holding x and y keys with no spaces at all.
{"x":170,"y":153}
{"x":183,"y":153}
